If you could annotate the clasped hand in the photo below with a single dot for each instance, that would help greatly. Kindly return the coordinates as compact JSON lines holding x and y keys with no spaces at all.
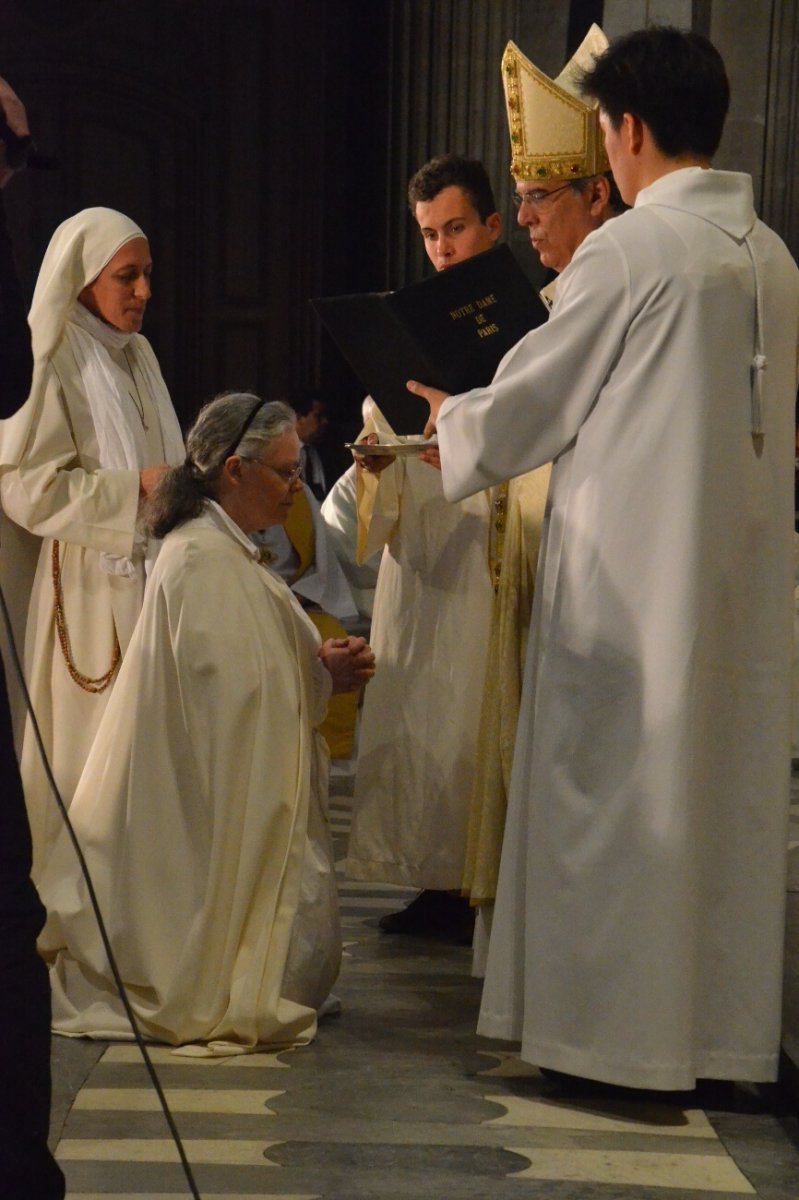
{"x":350,"y":662}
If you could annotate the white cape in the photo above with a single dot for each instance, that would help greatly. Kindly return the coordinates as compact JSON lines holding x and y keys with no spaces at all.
{"x":193,"y":813}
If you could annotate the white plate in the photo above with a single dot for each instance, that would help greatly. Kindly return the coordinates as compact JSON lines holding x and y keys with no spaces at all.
{"x":395,"y":448}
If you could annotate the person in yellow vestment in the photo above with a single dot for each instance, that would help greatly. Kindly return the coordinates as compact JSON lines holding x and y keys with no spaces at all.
{"x":89,"y":444}
{"x":559,"y":203}
{"x":201,"y":808}
{"x":301,"y":552}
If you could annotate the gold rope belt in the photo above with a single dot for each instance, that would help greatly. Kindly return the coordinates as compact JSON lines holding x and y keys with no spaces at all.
{"x":83,"y":681}
{"x":499,"y":517}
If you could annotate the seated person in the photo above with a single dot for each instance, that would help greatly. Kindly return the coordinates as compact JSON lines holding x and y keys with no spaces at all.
{"x":312,"y":421}
{"x":201,"y":808}
{"x":340,"y":515}
{"x":299,"y":550}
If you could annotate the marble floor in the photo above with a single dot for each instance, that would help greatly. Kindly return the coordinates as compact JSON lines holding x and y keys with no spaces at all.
{"x":398,"y":1099}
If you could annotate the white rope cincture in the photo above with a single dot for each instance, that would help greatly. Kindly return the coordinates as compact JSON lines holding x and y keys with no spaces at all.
{"x":759,"y":360}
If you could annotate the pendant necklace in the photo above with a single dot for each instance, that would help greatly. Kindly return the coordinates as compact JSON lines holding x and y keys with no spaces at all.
{"x":136,"y":398}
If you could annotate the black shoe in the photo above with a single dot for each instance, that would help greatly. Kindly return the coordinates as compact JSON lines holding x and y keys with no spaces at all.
{"x":577,"y":1085}
{"x":708,"y":1093}
{"x":433,"y":914}
{"x":718,"y":1094}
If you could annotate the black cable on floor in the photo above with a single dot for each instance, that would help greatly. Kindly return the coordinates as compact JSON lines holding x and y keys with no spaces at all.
{"x":95,"y":905}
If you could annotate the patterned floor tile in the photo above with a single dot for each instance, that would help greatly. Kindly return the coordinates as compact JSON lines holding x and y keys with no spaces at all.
{"x":673,"y":1172}
{"x":180,"y":1100}
{"x":397,"y":1099}
{"x":162,"y":1056}
{"x":550,"y":1114}
{"x":225,"y":1151}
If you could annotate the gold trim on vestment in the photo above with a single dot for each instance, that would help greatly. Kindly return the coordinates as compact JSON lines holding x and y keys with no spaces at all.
{"x":554,"y":133}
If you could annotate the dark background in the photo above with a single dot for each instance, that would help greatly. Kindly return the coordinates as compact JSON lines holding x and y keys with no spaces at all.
{"x":264,"y":147}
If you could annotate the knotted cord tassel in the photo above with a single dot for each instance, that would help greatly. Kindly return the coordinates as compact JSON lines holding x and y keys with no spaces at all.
{"x":759,"y":364}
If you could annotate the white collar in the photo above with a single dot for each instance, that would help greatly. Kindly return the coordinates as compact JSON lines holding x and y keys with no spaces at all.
{"x":107,"y":335}
{"x":724,"y":198}
{"x":220,"y":519}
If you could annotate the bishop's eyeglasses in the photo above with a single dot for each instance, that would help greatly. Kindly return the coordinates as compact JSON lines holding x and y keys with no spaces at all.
{"x":537,"y":197}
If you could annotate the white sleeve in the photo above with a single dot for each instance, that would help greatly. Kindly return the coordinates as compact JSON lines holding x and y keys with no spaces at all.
{"x":51,"y":494}
{"x":547,"y":384}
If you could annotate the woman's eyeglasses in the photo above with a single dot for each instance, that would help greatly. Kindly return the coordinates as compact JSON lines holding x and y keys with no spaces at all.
{"x":287,"y":474}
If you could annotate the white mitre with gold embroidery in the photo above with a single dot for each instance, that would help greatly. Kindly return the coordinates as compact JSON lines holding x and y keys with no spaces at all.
{"x":554,"y":132}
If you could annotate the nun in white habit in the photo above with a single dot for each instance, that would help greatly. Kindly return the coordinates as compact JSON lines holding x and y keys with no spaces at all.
{"x":76,"y":462}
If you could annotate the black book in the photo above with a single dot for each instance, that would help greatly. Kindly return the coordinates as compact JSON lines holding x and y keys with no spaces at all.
{"x":449,"y":331}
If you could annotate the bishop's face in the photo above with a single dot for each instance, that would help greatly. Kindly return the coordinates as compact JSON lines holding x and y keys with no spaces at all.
{"x":557,"y":216}
{"x":452,"y":229}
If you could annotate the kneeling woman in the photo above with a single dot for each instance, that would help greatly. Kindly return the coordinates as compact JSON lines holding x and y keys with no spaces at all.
{"x":200,"y":810}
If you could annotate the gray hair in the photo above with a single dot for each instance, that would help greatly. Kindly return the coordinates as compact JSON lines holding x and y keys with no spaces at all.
{"x":232,"y":423}
{"x":615,"y":203}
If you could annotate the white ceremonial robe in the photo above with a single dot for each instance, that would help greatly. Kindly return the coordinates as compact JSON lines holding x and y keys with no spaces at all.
{"x":432,"y":613}
{"x":340,"y":515}
{"x":59,"y":491}
{"x":194,"y":812}
{"x":638,"y":930}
